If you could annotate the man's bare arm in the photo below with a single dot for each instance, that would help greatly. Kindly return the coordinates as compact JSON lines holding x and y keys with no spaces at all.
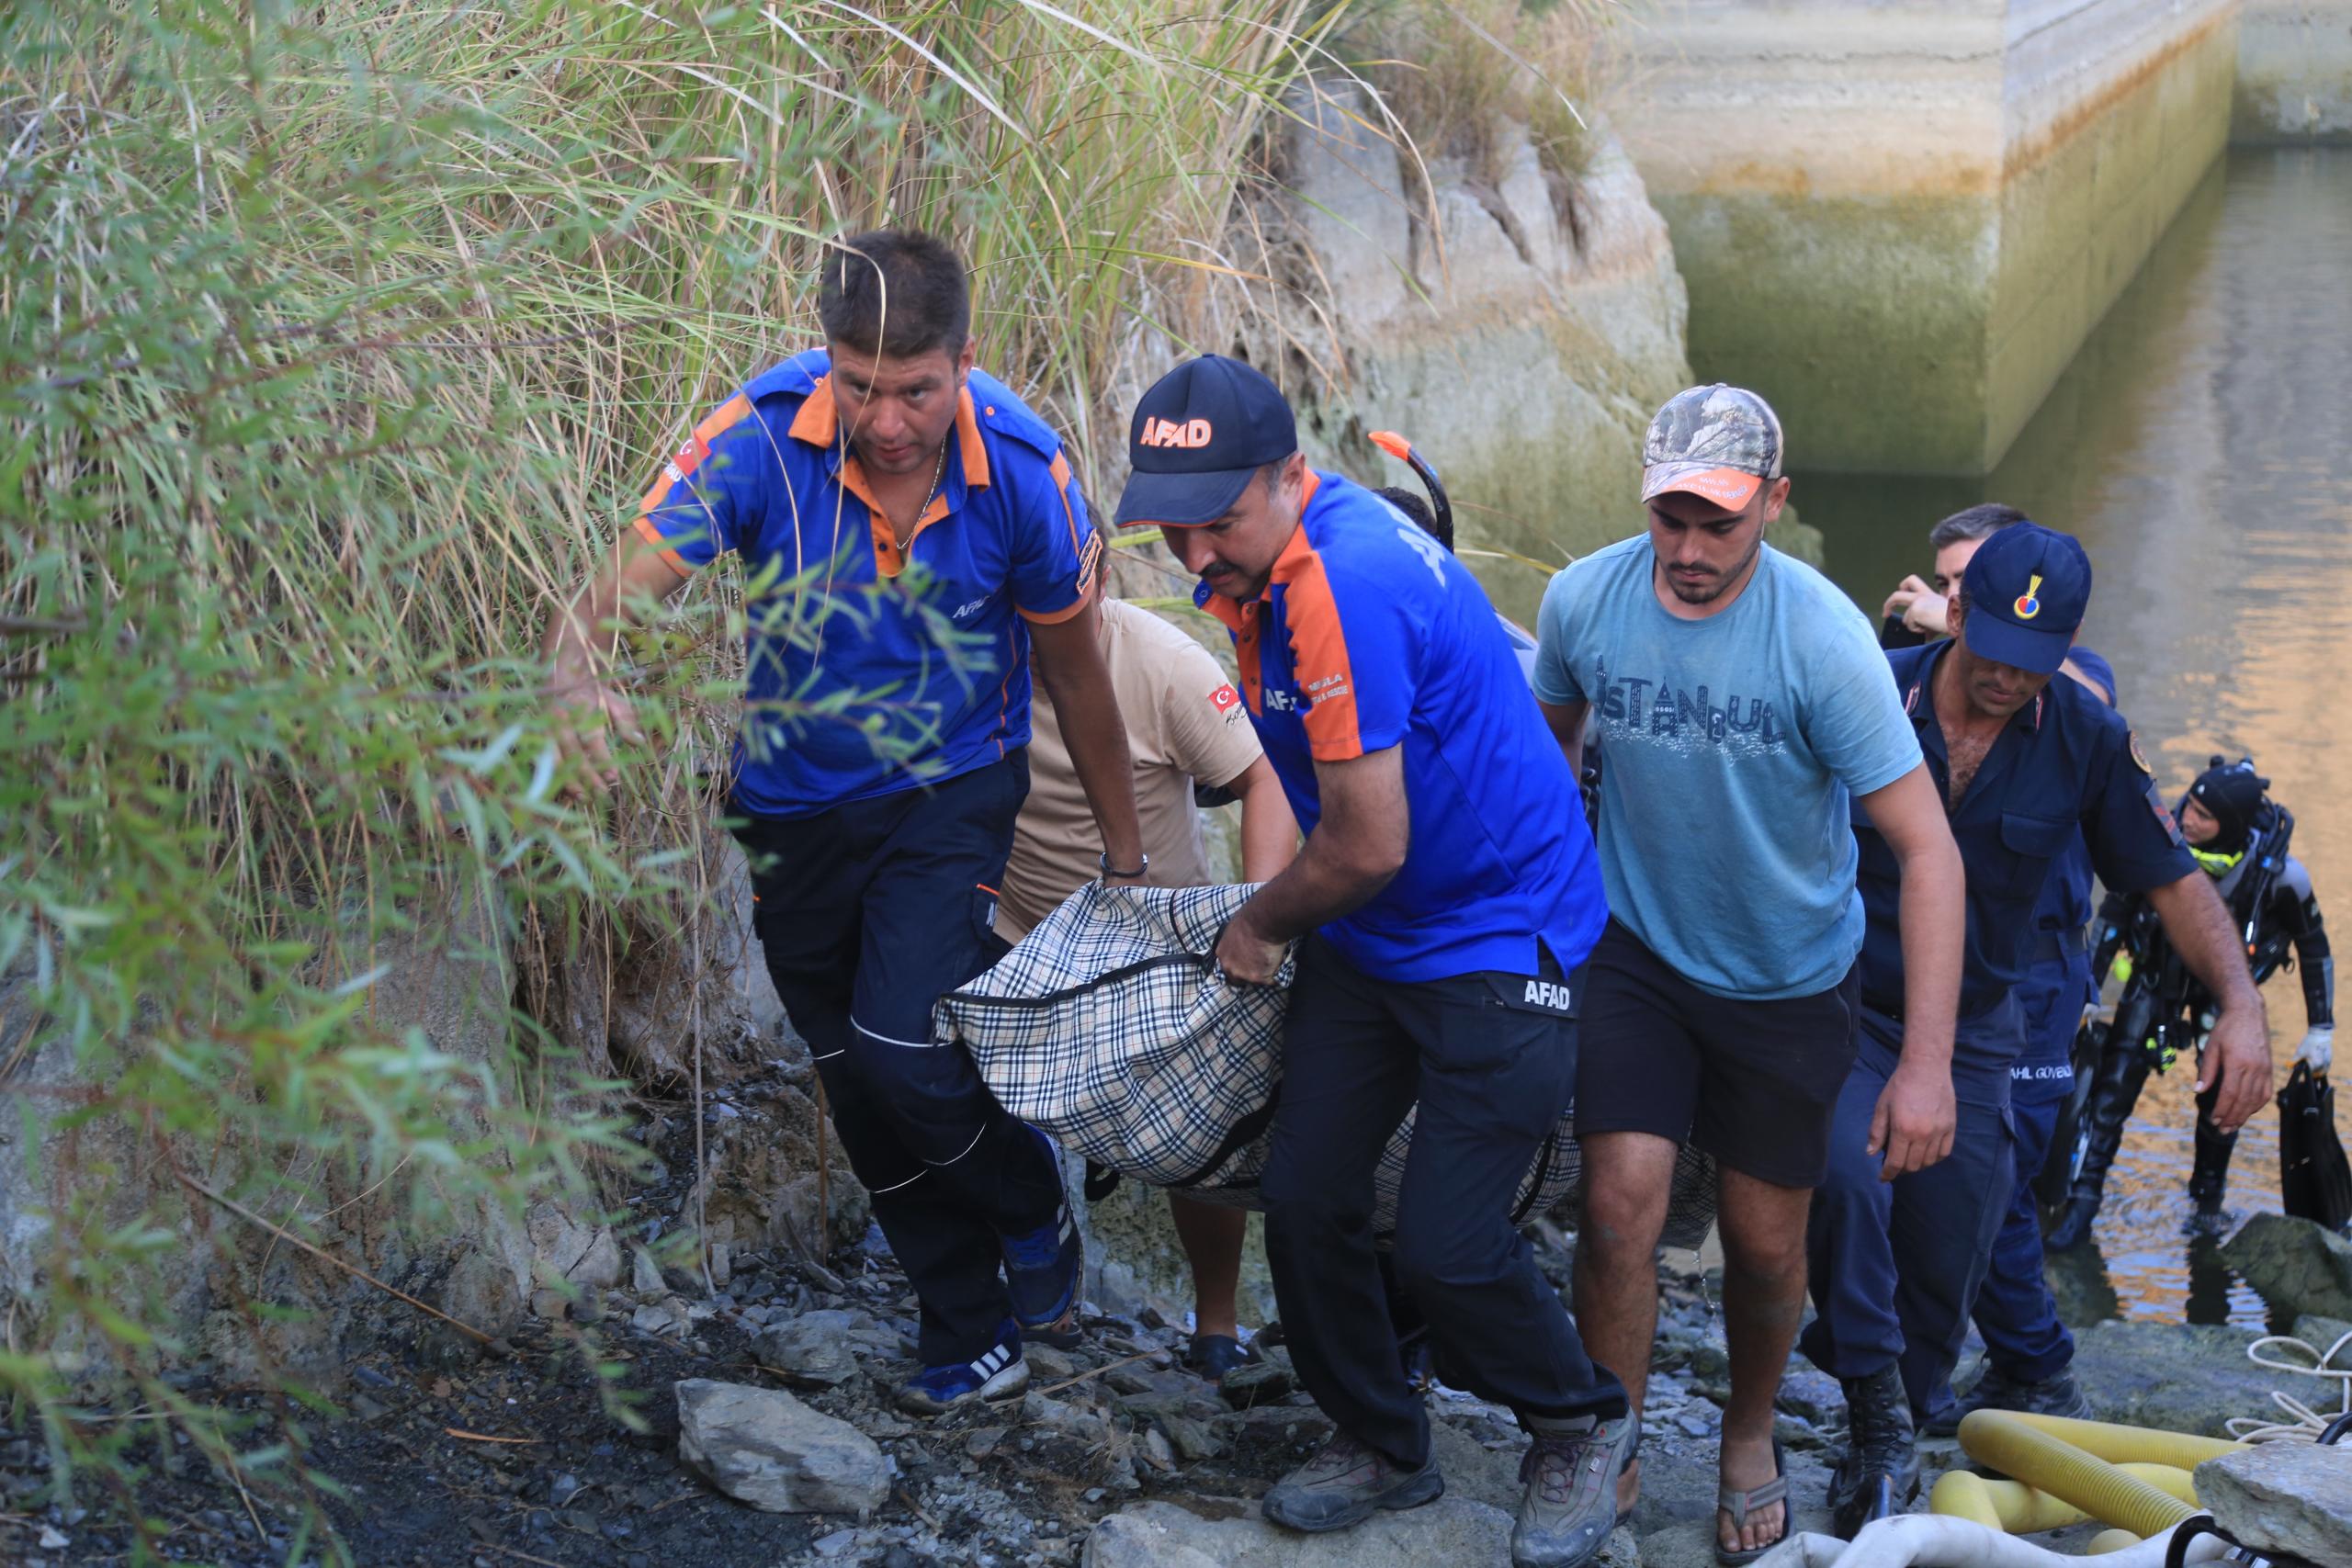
{"x":1269,"y":831}
{"x":2237,"y":1054}
{"x":579,"y":645}
{"x":1916,"y":1115}
{"x":1357,"y":848}
{"x":1566,"y":720}
{"x":1071,"y":662}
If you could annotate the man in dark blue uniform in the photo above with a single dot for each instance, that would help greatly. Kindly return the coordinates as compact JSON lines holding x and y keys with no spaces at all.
{"x":2024,"y":762}
{"x":2028,"y":1351}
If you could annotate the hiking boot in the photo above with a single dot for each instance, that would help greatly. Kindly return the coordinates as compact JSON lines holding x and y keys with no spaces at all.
{"x":1878,"y":1474}
{"x":1570,"y":1504}
{"x":1042,"y":1268}
{"x":2058,"y":1395}
{"x":999,"y":1373}
{"x":1344,"y":1484}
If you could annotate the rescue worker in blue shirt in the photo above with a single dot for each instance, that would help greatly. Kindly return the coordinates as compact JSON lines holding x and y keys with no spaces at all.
{"x":2028,"y":1351}
{"x":1446,"y":894}
{"x":2024,"y":762}
{"x":907,"y":528}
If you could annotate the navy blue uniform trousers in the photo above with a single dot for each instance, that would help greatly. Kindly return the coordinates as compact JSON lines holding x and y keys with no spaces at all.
{"x":1896,"y":1266}
{"x":2015,"y":1310}
{"x":1492,"y":1075}
{"x":866,"y":914}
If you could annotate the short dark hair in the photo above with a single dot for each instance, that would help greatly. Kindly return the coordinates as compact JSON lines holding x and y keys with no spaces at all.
{"x":1417,"y":510}
{"x":1979,"y":522}
{"x":894,"y":292}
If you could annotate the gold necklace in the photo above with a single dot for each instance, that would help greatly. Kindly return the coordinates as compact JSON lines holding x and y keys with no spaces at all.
{"x":938,"y":476}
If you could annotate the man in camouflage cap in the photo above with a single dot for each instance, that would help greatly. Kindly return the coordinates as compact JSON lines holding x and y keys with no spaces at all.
{"x":1746,"y":711}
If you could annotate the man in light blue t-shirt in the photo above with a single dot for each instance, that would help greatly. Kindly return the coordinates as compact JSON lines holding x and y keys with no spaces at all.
{"x":1743,"y":702}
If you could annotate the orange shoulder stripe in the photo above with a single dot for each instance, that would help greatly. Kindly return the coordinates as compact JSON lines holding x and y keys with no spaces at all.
{"x":726,"y":417}
{"x":1319,"y":645}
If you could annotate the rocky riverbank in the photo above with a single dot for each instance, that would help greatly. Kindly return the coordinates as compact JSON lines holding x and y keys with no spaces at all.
{"x":562,"y":1441}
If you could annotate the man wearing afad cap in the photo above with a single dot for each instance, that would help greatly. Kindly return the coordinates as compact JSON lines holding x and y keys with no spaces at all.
{"x":2023,"y":764}
{"x":1747,"y":714}
{"x":1445,"y":895}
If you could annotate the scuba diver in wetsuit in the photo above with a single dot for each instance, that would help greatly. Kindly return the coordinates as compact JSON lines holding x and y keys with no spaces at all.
{"x":2239,"y":835}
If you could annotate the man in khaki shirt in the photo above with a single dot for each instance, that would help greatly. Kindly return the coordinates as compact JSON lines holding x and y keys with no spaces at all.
{"x":1185,"y":725}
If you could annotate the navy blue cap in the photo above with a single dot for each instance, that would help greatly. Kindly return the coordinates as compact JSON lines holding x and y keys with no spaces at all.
{"x":2028,"y":588}
{"x":1198,"y":436}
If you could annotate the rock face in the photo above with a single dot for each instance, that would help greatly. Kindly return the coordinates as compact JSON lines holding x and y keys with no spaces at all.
{"x":1521,"y":340}
{"x":2294,"y":1499}
{"x":2298,"y":1267}
{"x":767,"y":1448}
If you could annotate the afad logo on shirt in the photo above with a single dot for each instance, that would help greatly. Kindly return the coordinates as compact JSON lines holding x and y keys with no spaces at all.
{"x":2026,"y":606}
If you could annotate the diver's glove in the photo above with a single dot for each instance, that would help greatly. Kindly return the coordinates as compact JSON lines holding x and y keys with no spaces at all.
{"x":2317,"y":1050}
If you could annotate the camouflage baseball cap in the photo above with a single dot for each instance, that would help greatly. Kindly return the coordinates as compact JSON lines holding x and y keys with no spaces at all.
{"x":1719,"y":442}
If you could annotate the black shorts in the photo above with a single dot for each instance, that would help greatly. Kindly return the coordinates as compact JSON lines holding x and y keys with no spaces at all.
{"x":1752,"y":1083}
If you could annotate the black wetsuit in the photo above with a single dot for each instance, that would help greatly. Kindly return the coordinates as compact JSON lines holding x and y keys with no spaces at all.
{"x":2164,"y":1010}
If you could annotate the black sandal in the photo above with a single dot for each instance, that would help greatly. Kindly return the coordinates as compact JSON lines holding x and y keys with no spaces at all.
{"x":1739,"y":1505}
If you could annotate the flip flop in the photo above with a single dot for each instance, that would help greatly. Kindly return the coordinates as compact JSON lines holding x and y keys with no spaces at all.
{"x":1739,"y":1505}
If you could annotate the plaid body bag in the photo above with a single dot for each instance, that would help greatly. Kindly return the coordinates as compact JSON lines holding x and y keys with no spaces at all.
{"x":1110,"y":1028}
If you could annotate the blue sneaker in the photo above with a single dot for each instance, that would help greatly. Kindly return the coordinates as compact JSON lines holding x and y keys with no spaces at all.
{"x":998,"y":1374}
{"x":1042,"y":1268}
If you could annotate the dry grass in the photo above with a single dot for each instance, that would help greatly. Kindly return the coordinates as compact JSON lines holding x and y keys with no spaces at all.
{"x":1462,"y":74}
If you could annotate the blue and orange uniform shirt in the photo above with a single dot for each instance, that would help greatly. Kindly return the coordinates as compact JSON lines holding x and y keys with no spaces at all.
{"x":872,"y":670}
{"x":1369,"y":634}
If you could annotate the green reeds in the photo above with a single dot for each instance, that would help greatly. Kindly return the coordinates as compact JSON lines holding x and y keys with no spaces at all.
{"x":339,"y":341}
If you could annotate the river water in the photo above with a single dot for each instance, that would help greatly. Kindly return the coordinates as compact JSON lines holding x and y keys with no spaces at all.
{"x":2200,"y":446}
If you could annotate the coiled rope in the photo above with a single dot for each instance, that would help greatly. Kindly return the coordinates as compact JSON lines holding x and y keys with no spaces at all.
{"x":2286,"y":1353}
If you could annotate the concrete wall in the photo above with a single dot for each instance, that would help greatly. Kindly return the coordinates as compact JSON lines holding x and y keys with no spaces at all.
{"x":1899,"y":220}
{"x":2294,"y":73}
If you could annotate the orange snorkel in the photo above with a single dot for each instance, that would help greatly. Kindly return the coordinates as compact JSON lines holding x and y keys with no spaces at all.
{"x":1396,"y":447}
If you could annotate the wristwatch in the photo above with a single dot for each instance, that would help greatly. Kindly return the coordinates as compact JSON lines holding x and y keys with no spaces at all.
{"x":1104,"y":860}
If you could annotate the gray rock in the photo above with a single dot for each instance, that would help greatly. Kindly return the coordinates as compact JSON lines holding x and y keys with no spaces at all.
{"x":668,"y":1315}
{"x":812,"y":1350}
{"x":645,"y":1275}
{"x":765,"y":1448}
{"x":1161,"y":1535}
{"x":2298,"y":1267}
{"x":1260,"y":1381}
{"x":1048,"y":1363}
{"x":2132,"y":1373}
{"x":2321,"y":1333}
{"x":2290,"y":1498}
{"x":1065,"y":1416}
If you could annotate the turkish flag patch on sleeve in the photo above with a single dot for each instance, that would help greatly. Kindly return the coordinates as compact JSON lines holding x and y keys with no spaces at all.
{"x":1224,"y":699}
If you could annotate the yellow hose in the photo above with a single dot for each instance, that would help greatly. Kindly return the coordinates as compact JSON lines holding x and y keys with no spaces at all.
{"x":2020,"y":1510}
{"x":2110,"y":1540}
{"x":1961,"y":1496}
{"x":2023,"y":1447}
{"x":2127,"y":1445}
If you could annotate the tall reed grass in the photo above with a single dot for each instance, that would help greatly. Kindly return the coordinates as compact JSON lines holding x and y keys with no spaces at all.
{"x":339,"y":338}
{"x":336,"y":342}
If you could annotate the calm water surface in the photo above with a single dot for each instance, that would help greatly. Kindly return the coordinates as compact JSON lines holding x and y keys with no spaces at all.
{"x":2200,"y":445}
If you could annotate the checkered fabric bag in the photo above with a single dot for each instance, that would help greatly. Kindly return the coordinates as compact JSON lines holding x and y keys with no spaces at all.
{"x":1109,"y":1028}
